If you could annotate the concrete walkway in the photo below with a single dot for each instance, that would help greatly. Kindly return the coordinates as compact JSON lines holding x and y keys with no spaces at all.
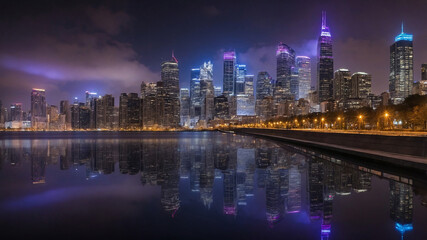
{"x":409,"y":161}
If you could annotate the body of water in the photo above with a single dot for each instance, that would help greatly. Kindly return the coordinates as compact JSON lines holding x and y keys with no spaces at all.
{"x":201,"y":185}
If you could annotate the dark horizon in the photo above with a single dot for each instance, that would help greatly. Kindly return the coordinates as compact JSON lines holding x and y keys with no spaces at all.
{"x":107,"y":47}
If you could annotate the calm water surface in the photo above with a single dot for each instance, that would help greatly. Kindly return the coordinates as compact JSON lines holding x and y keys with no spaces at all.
{"x":201,"y":185}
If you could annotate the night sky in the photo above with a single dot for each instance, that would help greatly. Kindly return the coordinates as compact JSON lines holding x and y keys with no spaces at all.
{"x":110,"y":47}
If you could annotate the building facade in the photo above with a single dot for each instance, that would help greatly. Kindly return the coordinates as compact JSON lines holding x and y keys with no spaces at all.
{"x":401,"y":67}
{"x":325,"y":64}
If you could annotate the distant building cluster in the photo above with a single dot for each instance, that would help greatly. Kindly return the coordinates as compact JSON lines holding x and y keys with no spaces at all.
{"x":243,"y":98}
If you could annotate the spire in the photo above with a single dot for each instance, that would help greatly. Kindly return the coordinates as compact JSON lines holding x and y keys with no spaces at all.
{"x":173,"y":57}
{"x":402,"y":26}
{"x":325,"y":29}
{"x":323,"y":19}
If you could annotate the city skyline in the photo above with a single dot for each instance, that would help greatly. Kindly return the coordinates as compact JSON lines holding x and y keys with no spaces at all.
{"x":24,"y":65}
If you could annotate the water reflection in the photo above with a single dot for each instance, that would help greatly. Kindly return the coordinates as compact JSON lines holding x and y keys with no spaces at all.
{"x":293,"y":179}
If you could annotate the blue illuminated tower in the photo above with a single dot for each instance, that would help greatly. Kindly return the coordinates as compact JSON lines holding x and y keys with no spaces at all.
{"x":325,"y":64}
{"x":401,"y":67}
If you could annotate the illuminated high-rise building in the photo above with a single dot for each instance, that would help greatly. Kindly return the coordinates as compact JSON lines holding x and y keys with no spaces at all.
{"x":239,"y":83}
{"x":229,"y":73}
{"x":207,"y":91}
{"x":303,"y":64}
{"x":361,"y":85}
{"x":285,"y":57}
{"x":325,"y":64}
{"x":195,"y":97}
{"x":185,"y":106}
{"x":249,"y":85}
{"x":38,"y":108}
{"x":342,"y":87}
{"x":149,"y":104}
{"x":104,"y":110}
{"x":401,"y":67}
{"x":130,"y":111}
{"x":264,"y":93}
{"x":16,"y":113}
{"x":170,"y":79}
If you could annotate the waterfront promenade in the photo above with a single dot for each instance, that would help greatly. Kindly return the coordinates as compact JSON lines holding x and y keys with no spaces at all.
{"x":395,"y":148}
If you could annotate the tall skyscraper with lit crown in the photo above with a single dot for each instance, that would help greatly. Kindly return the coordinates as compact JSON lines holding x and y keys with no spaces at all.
{"x":401,"y":67}
{"x":325,"y":64}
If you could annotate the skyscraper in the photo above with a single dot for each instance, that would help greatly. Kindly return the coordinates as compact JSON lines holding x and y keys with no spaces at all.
{"x":361,"y":84}
{"x":342,"y":87}
{"x":325,"y":65}
{"x":264,"y":89}
{"x":185,"y":107}
{"x":16,"y":113}
{"x":229,"y":73}
{"x":249,"y":85}
{"x":170,"y":79}
{"x":303,"y":64}
{"x":207,"y":91}
{"x":285,"y":57}
{"x":239,"y":83}
{"x":401,"y":67}
{"x":195,"y":97}
{"x":38,"y":108}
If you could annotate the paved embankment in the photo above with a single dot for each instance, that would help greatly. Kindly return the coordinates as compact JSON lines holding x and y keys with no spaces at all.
{"x":407,"y":151}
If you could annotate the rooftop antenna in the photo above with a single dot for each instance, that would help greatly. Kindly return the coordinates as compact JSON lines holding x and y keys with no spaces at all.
{"x":402,"y":26}
{"x":323,"y":19}
{"x":173,"y":57}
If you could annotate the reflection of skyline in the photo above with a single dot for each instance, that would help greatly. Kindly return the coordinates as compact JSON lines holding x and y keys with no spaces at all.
{"x":244,"y":169}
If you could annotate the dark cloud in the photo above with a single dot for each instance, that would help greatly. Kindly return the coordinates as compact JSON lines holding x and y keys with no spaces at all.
{"x":78,"y":55}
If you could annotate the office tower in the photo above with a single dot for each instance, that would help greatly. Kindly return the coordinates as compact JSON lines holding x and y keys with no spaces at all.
{"x":239,"y":83}
{"x":217,"y":91}
{"x":16,"y":113}
{"x":161,"y":99}
{"x":249,"y":85}
{"x":221,"y":107}
{"x":264,"y":85}
{"x":130,"y":111}
{"x":401,"y":67}
{"x":170,"y":79}
{"x":229,"y":73}
{"x":84,"y":116}
{"x":123,"y":104}
{"x":361,"y":85}
{"x":64,"y":109}
{"x":207,"y":91}
{"x":325,"y":64}
{"x":195,"y":97}
{"x":342,"y":84}
{"x":104,"y":107}
{"x":75,"y":115}
{"x":285,"y":57}
{"x":90,"y":96}
{"x":185,"y":107}
{"x":149,"y":102}
{"x":294,"y":83}
{"x":264,"y":88}
{"x":38,"y":108}
{"x":303,"y":65}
